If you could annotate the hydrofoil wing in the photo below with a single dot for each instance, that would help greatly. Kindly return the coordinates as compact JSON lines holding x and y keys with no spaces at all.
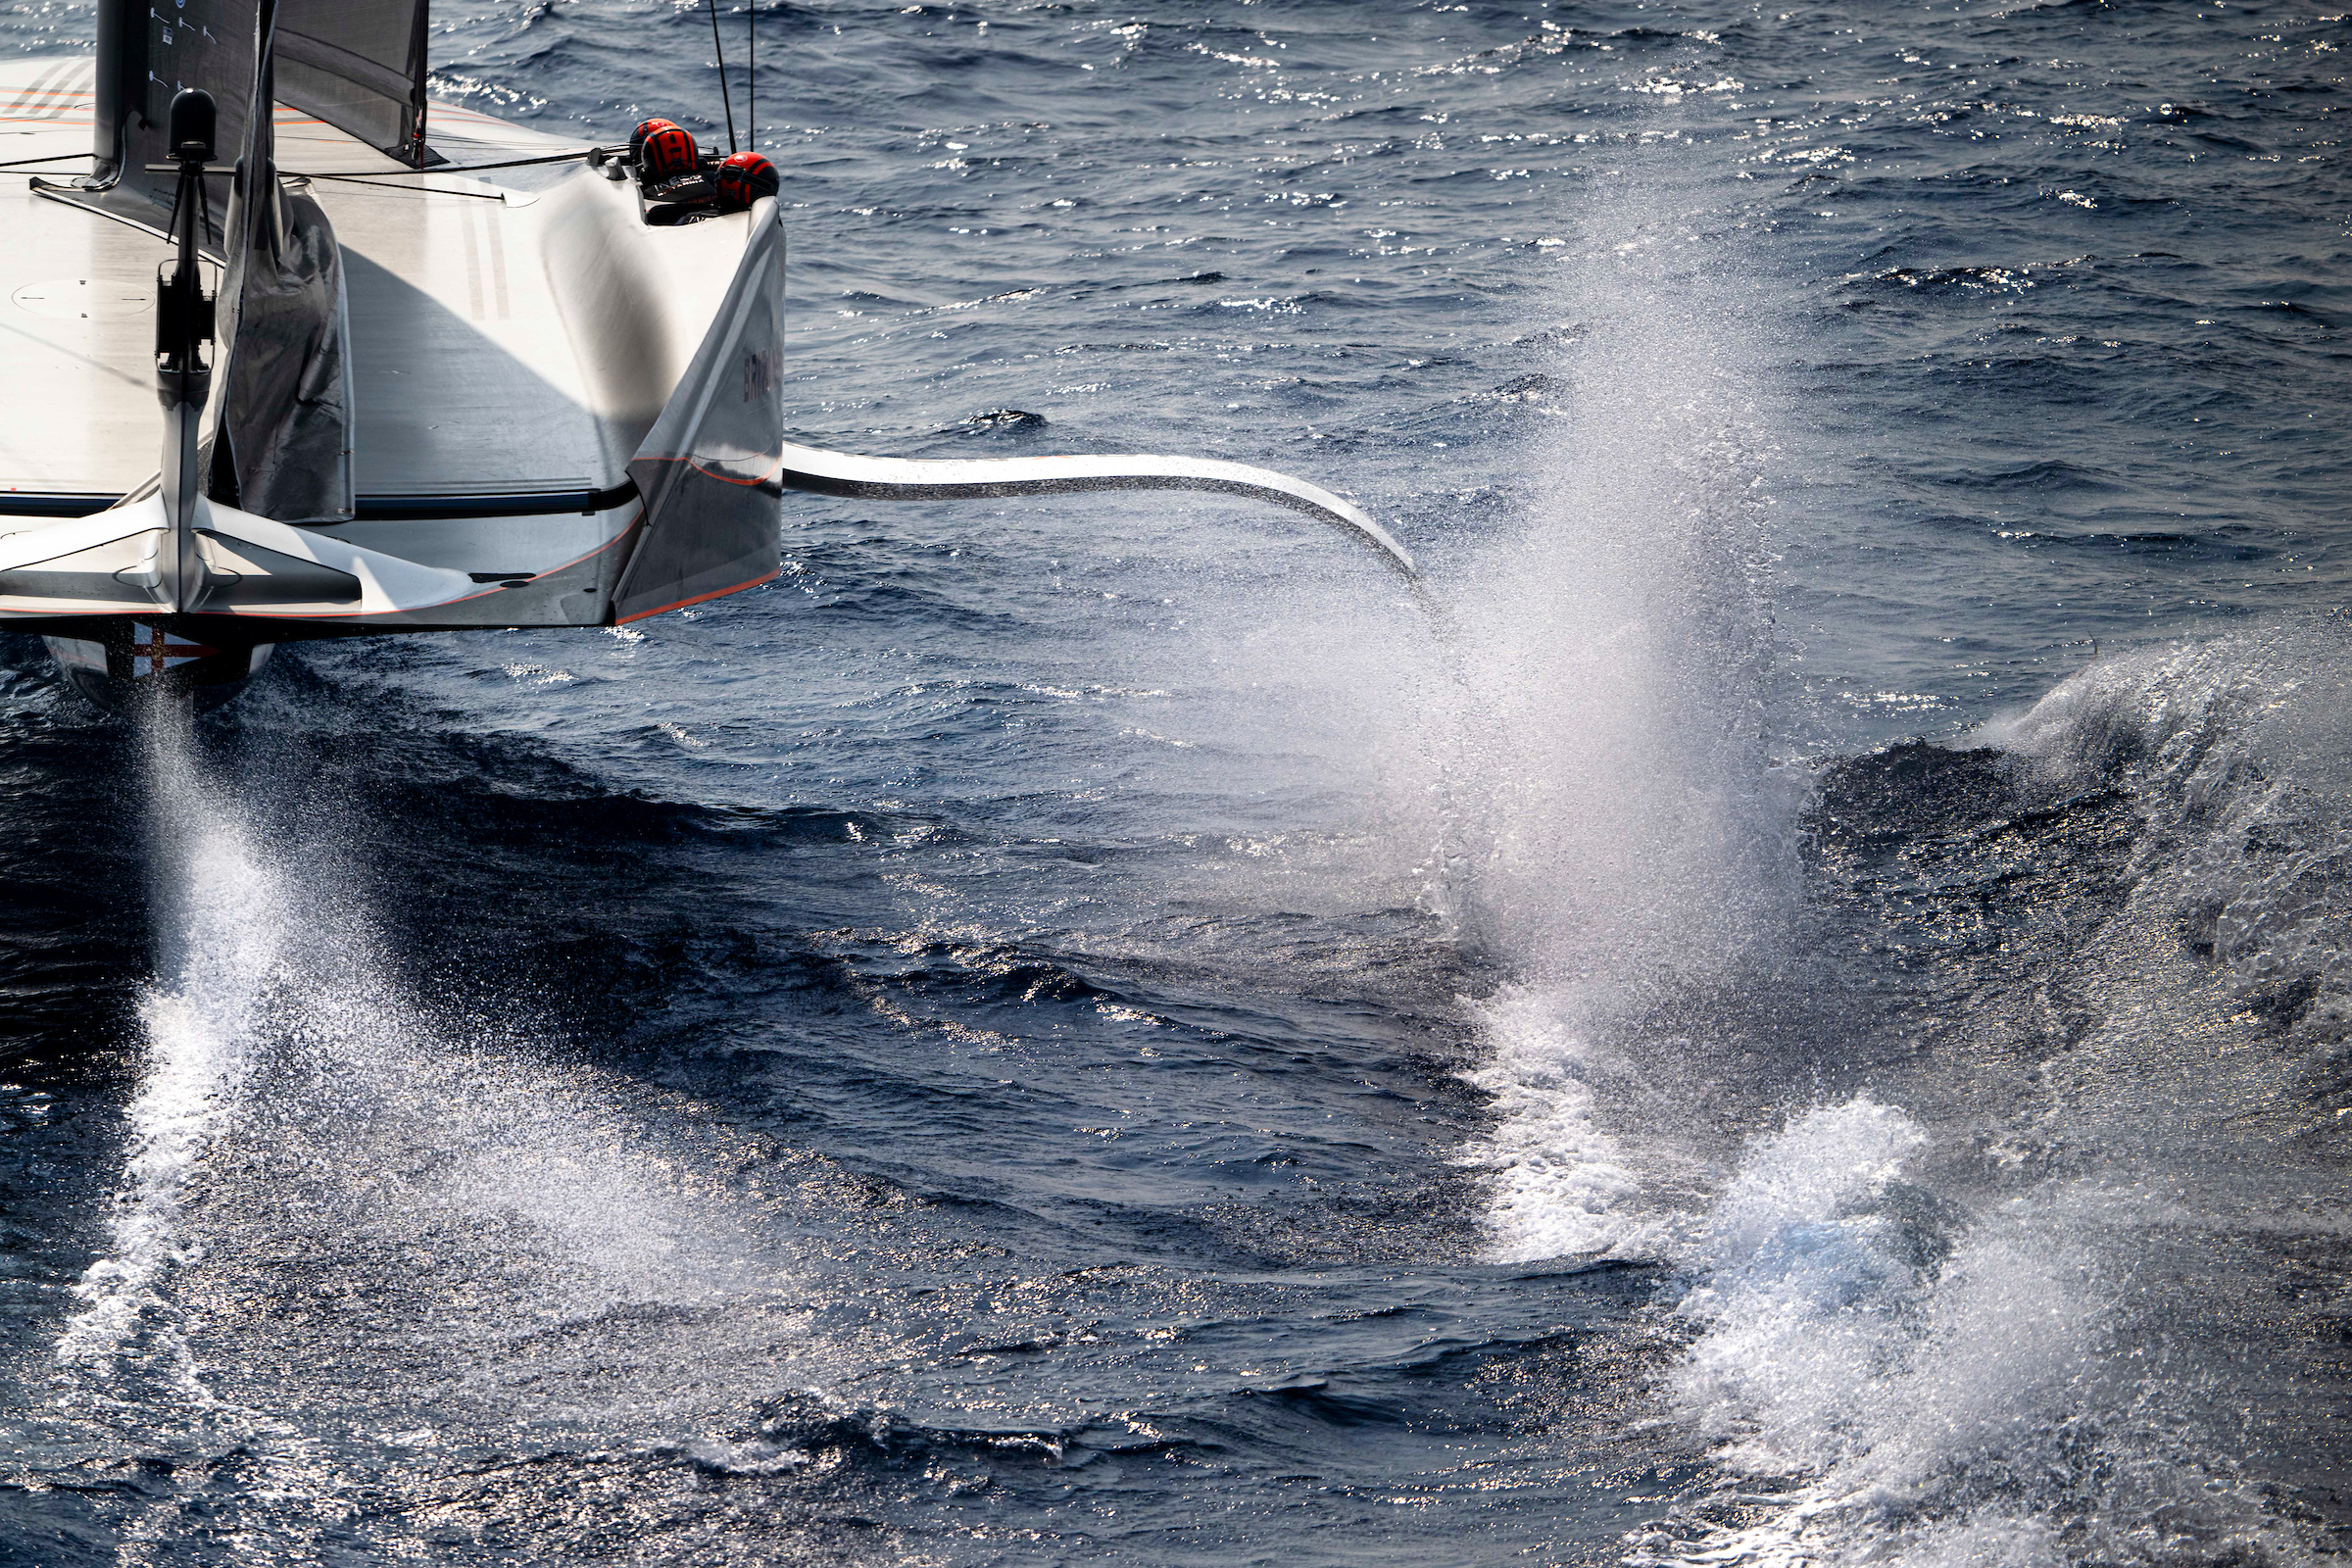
{"x":843,"y":473}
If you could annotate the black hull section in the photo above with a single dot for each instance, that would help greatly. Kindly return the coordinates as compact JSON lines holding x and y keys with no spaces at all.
{"x":123,"y":665}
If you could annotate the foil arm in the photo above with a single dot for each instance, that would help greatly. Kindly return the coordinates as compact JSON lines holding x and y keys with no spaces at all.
{"x":843,"y":473}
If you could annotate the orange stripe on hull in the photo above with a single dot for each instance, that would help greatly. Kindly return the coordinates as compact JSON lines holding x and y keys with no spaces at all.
{"x":715,"y":593}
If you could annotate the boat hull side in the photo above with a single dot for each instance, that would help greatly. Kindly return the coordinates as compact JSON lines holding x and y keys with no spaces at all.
{"x":710,"y":467}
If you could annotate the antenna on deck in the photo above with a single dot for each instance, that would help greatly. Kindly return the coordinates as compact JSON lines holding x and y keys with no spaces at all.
{"x":750,"y":81}
{"x":725,"y":101}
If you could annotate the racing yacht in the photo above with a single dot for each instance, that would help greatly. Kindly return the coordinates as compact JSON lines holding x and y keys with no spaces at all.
{"x":290,"y":352}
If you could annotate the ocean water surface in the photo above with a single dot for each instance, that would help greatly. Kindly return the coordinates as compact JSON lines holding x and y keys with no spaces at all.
{"x":1803,"y":1016}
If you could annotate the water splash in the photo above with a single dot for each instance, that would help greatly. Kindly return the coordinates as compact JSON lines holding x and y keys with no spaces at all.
{"x":1913,"y":1383}
{"x":491,"y":1223}
{"x":219,"y":916}
{"x":2233,"y":747}
{"x":1618,"y":838}
{"x":2040,"y":1326}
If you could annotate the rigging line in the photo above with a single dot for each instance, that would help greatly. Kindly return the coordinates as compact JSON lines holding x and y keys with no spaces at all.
{"x":53,"y":157}
{"x":751,"y":83}
{"x":412,"y":190}
{"x":725,"y":102}
{"x":456,"y":169}
{"x":179,"y":194}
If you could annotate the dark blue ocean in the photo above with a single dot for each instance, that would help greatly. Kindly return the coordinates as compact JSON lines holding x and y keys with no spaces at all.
{"x":1804,"y":1016}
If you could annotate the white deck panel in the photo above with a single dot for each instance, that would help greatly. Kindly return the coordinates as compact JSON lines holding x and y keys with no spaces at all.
{"x":77,"y":407}
{"x":464,"y":377}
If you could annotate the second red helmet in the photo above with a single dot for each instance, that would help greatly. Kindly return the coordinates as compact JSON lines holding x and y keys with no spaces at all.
{"x":743,"y":178}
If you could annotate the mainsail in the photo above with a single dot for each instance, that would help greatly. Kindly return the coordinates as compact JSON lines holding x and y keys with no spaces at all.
{"x":358,"y":64}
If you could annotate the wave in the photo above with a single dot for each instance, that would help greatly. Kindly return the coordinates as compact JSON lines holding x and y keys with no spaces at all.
{"x":1915,"y":1385}
{"x":2043,"y":1314}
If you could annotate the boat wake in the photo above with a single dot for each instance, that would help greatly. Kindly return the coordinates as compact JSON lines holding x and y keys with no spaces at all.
{"x":1889,"y":1377}
{"x":219,"y":919}
{"x":2029,"y":1296}
{"x":344,"y":1200}
{"x":1619,"y":835}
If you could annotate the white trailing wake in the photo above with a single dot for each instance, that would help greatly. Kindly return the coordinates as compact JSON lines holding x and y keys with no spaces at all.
{"x":221,"y":916}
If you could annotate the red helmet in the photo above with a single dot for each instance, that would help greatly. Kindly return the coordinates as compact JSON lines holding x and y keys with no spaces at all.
{"x":662,"y":149}
{"x":645,"y":128}
{"x":743,"y":178}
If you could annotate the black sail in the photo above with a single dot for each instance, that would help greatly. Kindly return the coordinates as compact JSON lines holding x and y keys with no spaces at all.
{"x":281,"y":408}
{"x":358,"y":64}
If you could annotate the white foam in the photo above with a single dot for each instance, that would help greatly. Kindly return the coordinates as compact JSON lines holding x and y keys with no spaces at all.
{"x":1802,"y":1178}
{"x":1927,"y":1388}
{"x":1559,"y":1184}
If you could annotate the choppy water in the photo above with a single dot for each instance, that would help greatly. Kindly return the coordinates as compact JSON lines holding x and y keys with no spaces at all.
{"x":1067,"y":1032}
